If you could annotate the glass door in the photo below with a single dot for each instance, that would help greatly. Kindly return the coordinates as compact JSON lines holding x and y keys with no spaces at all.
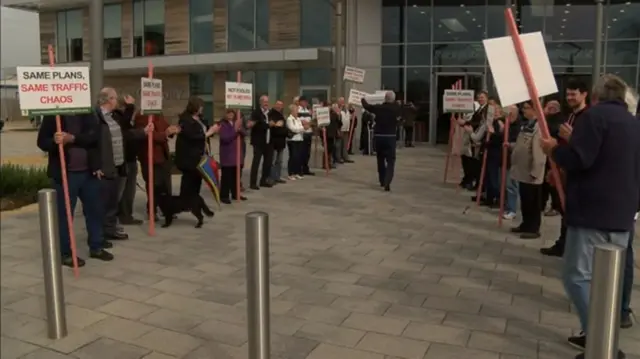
{"x":315,"y":93}
{"x":440,"y":122}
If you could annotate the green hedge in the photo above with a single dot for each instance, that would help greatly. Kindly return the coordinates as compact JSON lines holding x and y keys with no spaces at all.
{"x":21,"y":181}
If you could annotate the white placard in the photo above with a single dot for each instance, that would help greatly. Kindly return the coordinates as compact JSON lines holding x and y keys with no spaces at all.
{"x":458,"y":101}
{"x":54,"y":90}
{"x":323,"y":115}
{"x":507,"y":74}
{"x":238,"y":95}
{"x":150,"y":95}
{"x":314,"y":108}
{"x":353,"y":74}
{"x":355,"y":97}
{"x":376,"y":98}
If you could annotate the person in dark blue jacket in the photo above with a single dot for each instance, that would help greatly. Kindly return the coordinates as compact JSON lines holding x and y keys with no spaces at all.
{"x":602,"y":165}
{"x":80,"y":136}
{"x":387,"y":116}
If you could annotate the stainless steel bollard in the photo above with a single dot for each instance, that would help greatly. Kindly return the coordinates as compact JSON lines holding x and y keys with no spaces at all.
{"x":51,"y":264}
{"x":605,"y":302}
{"x":258,"y":299}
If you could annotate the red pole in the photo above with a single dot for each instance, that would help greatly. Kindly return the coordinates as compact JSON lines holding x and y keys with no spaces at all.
{"x":351,"y":127}
{"x":65,"y":184}
{"x":152,"y":206}
{"x":238,"y":147}
{"x":456,"y":166}
{"x":503,"y":175}
{"x":326,"y":151}
{"x":484,"y":166}
{"x":533,"y":94}
{"x":450,"y":144}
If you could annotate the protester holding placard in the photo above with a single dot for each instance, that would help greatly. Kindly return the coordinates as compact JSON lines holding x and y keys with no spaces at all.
{"x":471,"y":164}
{"x":231,"y":131}
{"x":191,"y":146}
{"x":261,"y":142}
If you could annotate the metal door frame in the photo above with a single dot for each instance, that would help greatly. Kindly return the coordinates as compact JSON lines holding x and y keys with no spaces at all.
{"x":433,"y":108}
{"x":316,"y":88}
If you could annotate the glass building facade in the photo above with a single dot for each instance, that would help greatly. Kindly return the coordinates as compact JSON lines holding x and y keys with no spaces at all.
{"x":427,"y":45}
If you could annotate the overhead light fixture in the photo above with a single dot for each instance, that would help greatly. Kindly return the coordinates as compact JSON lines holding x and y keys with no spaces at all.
{"x":479,"y":25}
{"x":474,"y":19}
{"x":561,"y":34}
{"x":564,"y":20}
{"x":566,"y":11}
{"x":614,"y":19}
{"x":448,"y":32}
{"x":414,"y":5}
{"x":568,"y":4}
{"x":621,"y":10}
{"x":468,"y":12}
{"x":422,"y":12}
{"x":562,"y":27}
{"x":461,"y":5}
{"x":453,"y":25}
{"x":628,"y":3}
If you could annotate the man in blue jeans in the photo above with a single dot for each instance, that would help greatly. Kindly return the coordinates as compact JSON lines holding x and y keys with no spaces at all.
{"x":387,"y":116}
{"x":600,"y":162}
{"x":80,"y":137}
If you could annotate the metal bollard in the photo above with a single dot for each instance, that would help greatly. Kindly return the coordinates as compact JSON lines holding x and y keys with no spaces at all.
{"x":605,"y":302}
{"x":51,"y":264}
{"x":258,"y":299}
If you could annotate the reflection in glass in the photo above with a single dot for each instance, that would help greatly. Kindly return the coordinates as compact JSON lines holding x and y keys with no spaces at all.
{"x":530,"y":18}
{"x":69,"y":36}
{"x":315,"y":77}
{"x":241,"y":25}
{"x":418,"y":93}
{"x":112,"y":28}
{"x":570,"y":21}
{"x":392,"y":21}
{"x":458,"y":54}
{"x":315,"y":23}
{"x":393,"y":79}
{"x":496,"y":25}
{"x":418,"y":55}
{"x":148,"y":26}
{"x":392,"y":55}
{"x":262,"y":24}
{"x":628,"y":74}
{"x":201,"y":26}
{"x":623,"y":52}
{"x":418,"y":20}
{"x":570,"y":54}
{"x":455,"y":22}
{"x":622,"y":19}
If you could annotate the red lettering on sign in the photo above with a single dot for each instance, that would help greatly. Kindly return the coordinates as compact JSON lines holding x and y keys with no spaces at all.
{"x":34,"y":88}
{"x":76,"y":86}
{"x":56,"y":100}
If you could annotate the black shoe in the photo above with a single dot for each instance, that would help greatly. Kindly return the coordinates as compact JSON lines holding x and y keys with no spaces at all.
{"x":553,"y":251}
{"x":529,"y":235}
{"x":107,"y":244}
{"x":308,"y":173}
{"x":117,"y":236}
{"x":130,"y":221}
{"x":621,"y":355}
{"x":225,"y":201}
{"x":242,"y":198}
{"x":387,"y":188}
{"x":68,"y":261}
{"x":254,"y":187}
{"x":102,"y":255}
{"x":626,"y":321}
{"x":266,"y":184}
{"x":578,"y":341}
{"x":348,"y":161}
{"x":280,"y":181}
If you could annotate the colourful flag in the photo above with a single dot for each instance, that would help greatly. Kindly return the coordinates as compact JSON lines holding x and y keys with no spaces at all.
{"x":209,"y":169}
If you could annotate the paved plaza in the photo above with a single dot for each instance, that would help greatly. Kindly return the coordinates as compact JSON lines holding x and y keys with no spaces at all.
{"x":356,"y":273}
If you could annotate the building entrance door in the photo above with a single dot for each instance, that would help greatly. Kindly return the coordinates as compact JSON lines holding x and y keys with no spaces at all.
{"x":312,"y":93}
{"x":439,"y":122}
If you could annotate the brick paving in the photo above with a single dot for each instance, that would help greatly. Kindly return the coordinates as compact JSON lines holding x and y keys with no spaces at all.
{"x":356,"y":273}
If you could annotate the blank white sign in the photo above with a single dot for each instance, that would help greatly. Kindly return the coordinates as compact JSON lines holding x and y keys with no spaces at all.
{"x":507,"y":74}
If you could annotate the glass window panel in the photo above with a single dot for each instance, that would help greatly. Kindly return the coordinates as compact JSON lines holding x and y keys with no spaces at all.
{"x":496,"y":25}
{"x":458,"y":54}
{"x":530,"y":18}
{"x":61,"y":37}
{"x":570,"y":54}
{"x":418,"y":85}
{"x":623,"y":19}
{"x":138,"y":18}
{"x":154,"y":12}
{"x":628,"y":74}
{"x":262,"y":24}
{"x":459,"y":22}
{"x":392,"y":55}
{"x":201,"y":83}
{"x":315,"y":77}
{"x":201,"y":26}
{"x":315,"y":23}
{"x":74,"y":24}
{"x":418,"y":55}
{"x":392,"y":21}
{"x":207,"y":113}
{"x":570,"y":20}
{"x":418,"y":16}
{"x":622,"y":52}
{"x":154,"y":27}
{"x":270,"y":83}
{"x":241,"y":25}
{"x":393,"y":79}
{"x":112,"y":21}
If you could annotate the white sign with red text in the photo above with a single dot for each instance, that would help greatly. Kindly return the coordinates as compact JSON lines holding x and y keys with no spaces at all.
{"x":238,"y":95}
{"x":353,"y":74}
{"x":457,"y":101}
{"x":150,"y":95}
{"x":323,"y":115}
{"x":356,"y":96}
{"x":54,"y":90}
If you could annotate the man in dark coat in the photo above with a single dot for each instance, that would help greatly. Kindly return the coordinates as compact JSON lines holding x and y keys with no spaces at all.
{"x":260,"y":139}
{"x":278,"y":127}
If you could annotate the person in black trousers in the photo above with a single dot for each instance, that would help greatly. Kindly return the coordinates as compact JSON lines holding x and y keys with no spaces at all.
{"x":260,"y":139}
{"x":305,"y":116}
{"x":386,"y":117}
{"x":125,"y":111}
{"x":332,"y":132}
{"x":190,"y":147}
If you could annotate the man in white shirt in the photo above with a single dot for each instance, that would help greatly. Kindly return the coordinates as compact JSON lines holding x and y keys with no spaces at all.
{"x":343,"y":142}
{"x":305,"y":117}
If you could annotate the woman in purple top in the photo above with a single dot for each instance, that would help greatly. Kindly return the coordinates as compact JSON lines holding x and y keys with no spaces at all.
{"x":230,"y":133}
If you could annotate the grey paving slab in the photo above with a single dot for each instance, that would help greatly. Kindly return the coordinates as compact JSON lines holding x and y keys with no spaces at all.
{"x":355,"y":273}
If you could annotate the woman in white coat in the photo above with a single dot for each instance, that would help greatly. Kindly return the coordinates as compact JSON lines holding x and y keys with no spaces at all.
{"x":294,"y":143}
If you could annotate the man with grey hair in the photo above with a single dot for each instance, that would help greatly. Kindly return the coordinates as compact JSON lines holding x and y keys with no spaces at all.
{"x":602,"y":192}
{"x":386,"y":115}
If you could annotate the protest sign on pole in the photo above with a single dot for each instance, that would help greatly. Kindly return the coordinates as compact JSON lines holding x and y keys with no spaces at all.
{"x":356,"y":96}
{"x":238,"y":95}
{"x":458,"y":101}
{"x":57,"y":91}
{"x":353,"y":74}
{"x":452,"y":130}
{"x":323,"y":116}
{"x":150,"y":103}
